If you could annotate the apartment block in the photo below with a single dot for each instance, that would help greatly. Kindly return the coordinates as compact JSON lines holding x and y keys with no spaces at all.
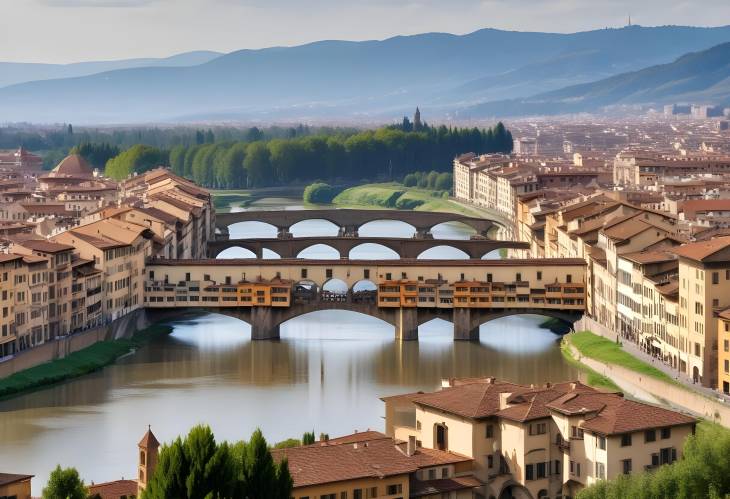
{"x":530,"y":441}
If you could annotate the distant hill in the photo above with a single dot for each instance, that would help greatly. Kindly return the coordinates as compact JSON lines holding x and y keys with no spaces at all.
{"x":698,"y":77}
{"x":354,"y":79}
{"x":12,"y":73}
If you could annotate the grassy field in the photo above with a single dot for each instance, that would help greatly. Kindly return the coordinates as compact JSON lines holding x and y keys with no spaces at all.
{"x":604,"y":350}
{"x":78,"y":363}
{"x":593,"y":378}
{"x":392,"y":195}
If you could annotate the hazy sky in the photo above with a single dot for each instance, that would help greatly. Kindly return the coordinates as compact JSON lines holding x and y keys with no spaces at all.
{"x":62,"y":31}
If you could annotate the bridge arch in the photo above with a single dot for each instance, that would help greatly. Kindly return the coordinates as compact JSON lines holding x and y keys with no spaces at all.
{"x":252,"y":229}
{"x":335,"y":286}
{"x":314,"y":227}
{"x":455,"y":229}
{"x":383,"y":250}
{"x":386,"y":227}
{"x":238,"y":251}
{"x":444,"y":251}
{"x":319,"y":251}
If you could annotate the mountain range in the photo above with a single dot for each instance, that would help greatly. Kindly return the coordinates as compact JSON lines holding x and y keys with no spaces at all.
{"x":484,"y":73}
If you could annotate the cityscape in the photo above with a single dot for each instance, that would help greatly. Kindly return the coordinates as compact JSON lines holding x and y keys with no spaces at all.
{"x":386,"y":250}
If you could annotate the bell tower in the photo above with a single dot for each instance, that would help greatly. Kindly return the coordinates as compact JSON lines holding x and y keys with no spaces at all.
{"x":148,"y":453}
{"x":417,"y":120}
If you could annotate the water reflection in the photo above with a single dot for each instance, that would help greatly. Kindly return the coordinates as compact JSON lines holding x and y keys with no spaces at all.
{"x":326,"y":373}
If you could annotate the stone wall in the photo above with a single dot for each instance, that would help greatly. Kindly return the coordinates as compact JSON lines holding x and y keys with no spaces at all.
{"x":124,"y":327}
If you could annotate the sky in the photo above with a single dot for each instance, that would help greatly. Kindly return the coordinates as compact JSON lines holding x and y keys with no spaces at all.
{"x":63,"y":31}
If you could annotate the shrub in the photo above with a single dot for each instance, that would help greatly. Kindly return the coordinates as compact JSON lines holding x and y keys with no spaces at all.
{"x":319,"y":193}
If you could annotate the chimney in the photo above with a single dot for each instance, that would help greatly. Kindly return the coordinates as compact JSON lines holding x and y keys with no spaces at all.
{"x":411,"y":449}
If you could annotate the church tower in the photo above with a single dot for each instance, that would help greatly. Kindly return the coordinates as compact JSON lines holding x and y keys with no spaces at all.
{"x":148,"y":452}
{"x":417,"y":120}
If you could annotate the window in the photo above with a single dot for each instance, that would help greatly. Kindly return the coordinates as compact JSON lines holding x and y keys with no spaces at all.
{"x":357,"y":494}
{"x":490,"y":461}
{"x":328,"y":273}
{"x":328,"y":496}
{"x":490,"y":431}
{"x":626,"y":466}
{"x":569,"y":278}
{"x":649,"y":435}
{"x":489,"y":277}
{"x":366,"y":273}
{"x":444,"y":473}
{"x":432,"y":474}
{"x":518,"y":278}
{"x":601,"y":471}
{"x":388,"y":276}
{"x":372,"y":492}
{"x":541,"y":470}
{"x":577,"y":469}
{"x":727,"y":366}
{"x":343,"y":495}
{"x":601,"y":442}
{"x":539,"y":275}
{"x":726,"y":343}
{"x":715,"y":278}
{"x":557,"y":467}
{"x":626,"y":440}
{"x":304,"y":273}
{"x":576,"y":432}
{"x":538,"y":429}
{"x":666,"y":432}
{"x":394,"y":489}
{"x":529,"y":472}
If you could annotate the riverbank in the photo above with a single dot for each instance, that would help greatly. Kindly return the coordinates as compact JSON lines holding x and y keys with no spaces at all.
{"x":392,"y":195}
{"x":76,"y":364}
{"x":606,"y":359}
{"x":592,"y":377}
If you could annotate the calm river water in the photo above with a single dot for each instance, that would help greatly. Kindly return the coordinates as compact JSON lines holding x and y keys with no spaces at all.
{"x":325,"y":374}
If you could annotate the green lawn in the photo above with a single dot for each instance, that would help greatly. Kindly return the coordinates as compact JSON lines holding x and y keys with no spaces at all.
{"x":391,"y":195}
{"x":593,"y":378}
{"x":604,"y":350}
{"x":78,"y":363}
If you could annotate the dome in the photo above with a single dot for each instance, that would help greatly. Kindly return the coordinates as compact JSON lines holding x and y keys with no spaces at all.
{"x":73,"y":165}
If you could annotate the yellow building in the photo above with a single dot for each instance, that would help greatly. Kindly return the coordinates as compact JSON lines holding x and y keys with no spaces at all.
{"x":10,"y":265}
{"x":704,"y":288}
{"x":15,"y":486}
{"x":539,"y":442}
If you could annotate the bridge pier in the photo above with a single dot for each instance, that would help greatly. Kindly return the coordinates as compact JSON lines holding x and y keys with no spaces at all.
{"x":348,"y":231}
{"x":423,"y":233}
{"x":465,"y":328}
{"x":406,"y":324}
{"x":263,"y":324}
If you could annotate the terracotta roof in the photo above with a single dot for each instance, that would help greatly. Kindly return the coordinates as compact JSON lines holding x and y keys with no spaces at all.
{"x":645,"y":257}
{"x":149,"y":440}
{"x":98,"y":242}
{"x":612,"y":414}
{"x":5,"y":257}
{"x":114,"y":490}
{"x":701,"y":250}
{"x":8,"y":478}
{"x":475,"y":400}
{"x":367,"y":454}
{"x":46,"y":246}
{"x":73,"y":165}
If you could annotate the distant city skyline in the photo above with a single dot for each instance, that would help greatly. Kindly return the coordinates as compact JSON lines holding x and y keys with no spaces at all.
{"x":65,"y":31}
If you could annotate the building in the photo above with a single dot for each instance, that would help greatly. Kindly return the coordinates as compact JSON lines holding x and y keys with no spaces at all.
{"x":539,"y":442}
{"x":370,"y":464}
{"x":15,"y":486}
{"x":704,"y":280}
{"x":148,"y":449}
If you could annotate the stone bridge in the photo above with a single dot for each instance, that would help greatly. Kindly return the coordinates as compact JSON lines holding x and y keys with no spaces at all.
{"x":404,"y":247}
{"x":266,"y":321}
{"x":349,"y":221}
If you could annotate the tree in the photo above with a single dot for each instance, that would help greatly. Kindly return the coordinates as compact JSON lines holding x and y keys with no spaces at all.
{"x":308,"y":438}
{"x":319,"y":193}
{"x":444,"y":182}
{"x":136,"y":159}
{"x":258,"y":165}
{"x":177,"y":159}
{"x":198,"y":467}
{"x":65,"y":484}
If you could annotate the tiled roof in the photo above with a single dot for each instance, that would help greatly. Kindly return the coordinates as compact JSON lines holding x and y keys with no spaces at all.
{"x":368,"y":454}
{"x":8,"y":478}
{"x":114,"y":490}
{"x":613,"y":414}
{"x":475,"y":400}
{"x":701,"y":250}
{"x":46,"y":246}
{"x":73,"y":165}
{"x":149,"y":440}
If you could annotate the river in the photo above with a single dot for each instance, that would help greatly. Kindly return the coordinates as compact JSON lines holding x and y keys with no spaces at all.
{"x":325,"y":374}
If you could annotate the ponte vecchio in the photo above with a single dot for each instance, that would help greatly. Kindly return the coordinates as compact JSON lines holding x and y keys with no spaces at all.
{"x":404,"y":293}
